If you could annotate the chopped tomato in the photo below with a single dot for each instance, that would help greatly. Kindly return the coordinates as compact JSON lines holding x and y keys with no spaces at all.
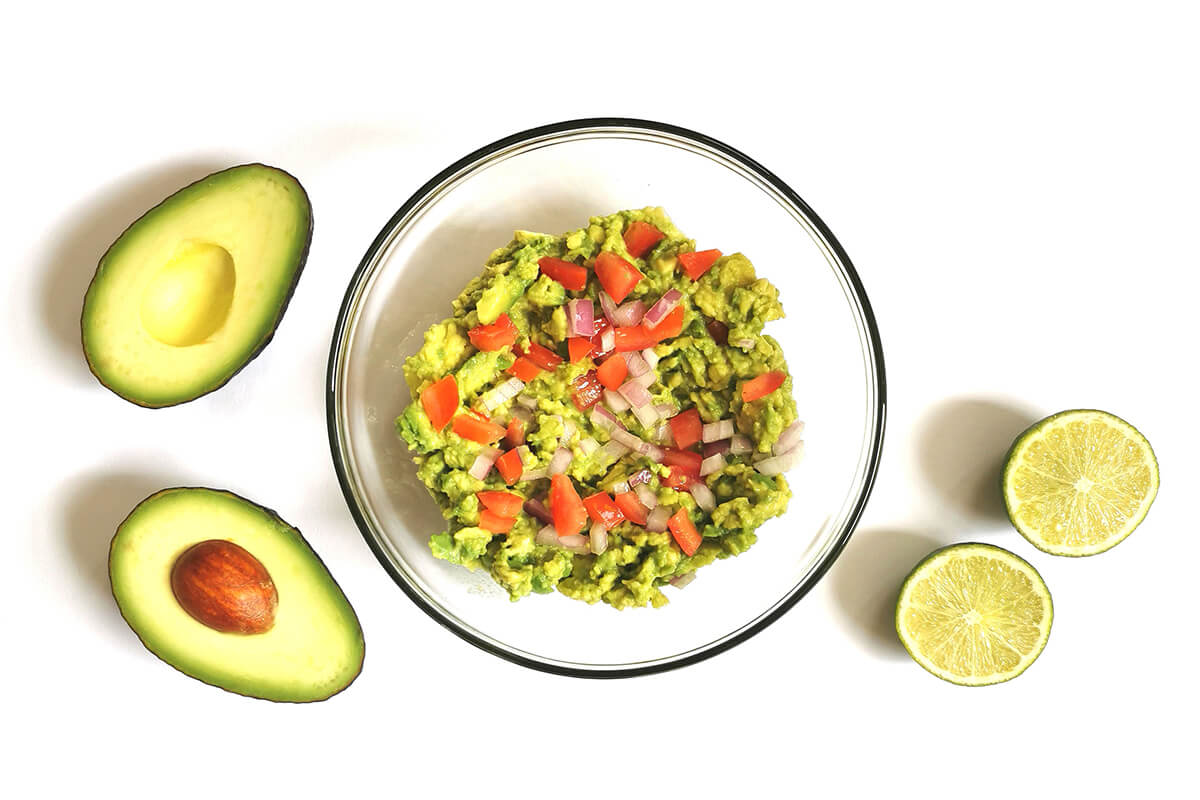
{"x":479,"y":415}
{"x":602,"y":509}
{"x":571,"y":276}
{"x":514,"y":435}
{"x":696,"y":264}
{"x":631,"y":507}
{"x":525,"y":369}
{"x":544,"y":357}
{"x":685,"y":533}
{"x":718,"y":330}
{"x":440,"y":401}
{"x":617,"y":276}
{"x":587,"y":389}
{"x":640,"y":237}
{"x":686,"y":460}
{"x":565,"y":506}
{"x":578,"y":348}
{"x":506,"y":504}
{"x":510,"y":467}
{"x":762,"y":386}
{"x":670,"y":327}
{"x":498,"y":335}
{"x":601,"y":325}
{"x":612,"y":373}
{"x":496,"y":523}
{"x":677,"y":479}
{"x":635,"y":338}
{"x":469,"y":426}
{"x":686,"y":428}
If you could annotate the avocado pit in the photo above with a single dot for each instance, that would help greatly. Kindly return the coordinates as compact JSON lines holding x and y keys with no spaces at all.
{"x":224,"y":587}
{"x":189,"y":298}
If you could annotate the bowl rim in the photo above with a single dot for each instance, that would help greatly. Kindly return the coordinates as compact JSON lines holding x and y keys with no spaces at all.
{"x":868,"y":317}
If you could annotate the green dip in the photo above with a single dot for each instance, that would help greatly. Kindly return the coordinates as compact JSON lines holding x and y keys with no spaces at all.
{"x":693,"y":370}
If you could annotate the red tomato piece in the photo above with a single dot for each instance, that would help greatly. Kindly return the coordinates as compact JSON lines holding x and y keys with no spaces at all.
{"x":617,"y":276}
{"x":696,"y":264}
{"x":762,"y":386}
{"x":572,"y":276}
{"x":588,"y":389}
{"x":440,"y":401}
{"x":469,"y":426}
{"x":598,"y":351}
{"x":612,"y":373}
{"x":544,"y":357}
{"x":514,"y":435}
{"x":636,"y":338}
{"x":685,"y":460}
{"x":506,"y":504}
{"x":685,"y":533}
{"x":500,"y":334}
{"x":631,"y":507}
{"x":670,"y":327}
{"x":565,"y":506}
{"x":496,"y":523}
{"x":510,"y":467}
{"x":677,"y":479}
{"x":602,"y":509}
{"x":686,"y":428}
{"x":524,"y":369}
{"x":640,"y":237}
{"x":578,"y":348}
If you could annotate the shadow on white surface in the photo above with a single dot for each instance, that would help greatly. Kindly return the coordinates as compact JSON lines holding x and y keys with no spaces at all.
{"x":962,"y":446}
{"x":98,"y":503}
{"x":866,"y":582}
{"x":86,"y":231}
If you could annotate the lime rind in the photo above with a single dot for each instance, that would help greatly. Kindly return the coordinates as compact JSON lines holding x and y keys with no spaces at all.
{"x":1038,"y":432}
{"x":936,"y":559}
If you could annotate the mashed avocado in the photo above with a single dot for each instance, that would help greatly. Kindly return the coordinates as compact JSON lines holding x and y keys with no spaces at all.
{"x":556,"y":469}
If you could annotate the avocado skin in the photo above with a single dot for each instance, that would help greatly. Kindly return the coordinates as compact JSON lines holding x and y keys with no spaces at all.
{"x":287,"y":298}
{"x":271,"y":512}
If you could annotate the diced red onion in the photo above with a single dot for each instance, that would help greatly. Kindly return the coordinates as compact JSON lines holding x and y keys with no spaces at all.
{"x":581,"y":317}
{"x":568,"y":430}
{"x":598,"y":538}
{"x":651,"y":357}
{"x":656,"y":522}
{"x":636,"y":394}
{"x":621,"y":487}
{"x":535,"y":474}
{"x":716,"y":431}
{"x":662,"y":434}
{"x":637,"y":365}
{"x":640,"y":477}
{"x":713,"y":448}
{"x":646,"y":380}
{"x":574,"y":542}
{"x":703,"y":496}
{"x":547,"y":536}
{"x":614,"y":449}
{"x":560,"y":461}
{"x":665,"y":305}
{"x":792,"y":435}
{"x":781,"y":463}
{"x":608,"y":340}
{"x":483,"y":463}
{"x":634,"y":443}
{"x":647,"y":496}
{"x":630,"y":314}
{"x":680,"y":581}
{"x":666,"y":410}
{"x":588,"y":445}
{"x":499,"y":395}
{"x":646,"y":415}
{"x":745,"y":344}
{"x":712,"y":464}
{"x":522,"y":413}
{"x":739,"y":445}
{"x":535,"y":508}
{"x":526,"y":454}
{"x":615,"y":402}
{"x":603,"y":418}
{"x":528,"y":402}
{"x":609,"y":307}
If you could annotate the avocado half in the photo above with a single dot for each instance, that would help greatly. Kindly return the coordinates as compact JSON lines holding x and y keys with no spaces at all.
{"x":312,"y":646}
{"x":193,"y":290}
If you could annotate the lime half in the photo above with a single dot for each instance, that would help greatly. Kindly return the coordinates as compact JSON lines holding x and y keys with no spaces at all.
{"x":974,"y":614}
{"x":1079,"y":482}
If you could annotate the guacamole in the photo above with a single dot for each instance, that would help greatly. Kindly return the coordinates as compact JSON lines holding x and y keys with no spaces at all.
{"x":602,"y":414}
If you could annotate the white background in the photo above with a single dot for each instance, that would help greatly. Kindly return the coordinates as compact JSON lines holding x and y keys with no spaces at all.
{"x":1017,"y":187}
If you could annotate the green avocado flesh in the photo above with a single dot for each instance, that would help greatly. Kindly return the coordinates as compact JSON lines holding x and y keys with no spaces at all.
{"x":313,"y":650}
{"x":694,"y":371}
{"x":193,"y":290}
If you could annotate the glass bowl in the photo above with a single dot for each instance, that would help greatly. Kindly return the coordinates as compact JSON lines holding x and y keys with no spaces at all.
{"x":552,"y":179}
